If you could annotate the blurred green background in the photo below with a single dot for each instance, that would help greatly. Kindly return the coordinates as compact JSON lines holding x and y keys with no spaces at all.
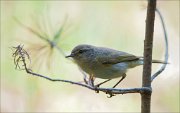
{"x":115,"y":24}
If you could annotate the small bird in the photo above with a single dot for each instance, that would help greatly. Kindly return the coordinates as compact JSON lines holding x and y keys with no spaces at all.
{"x":105,"y":63}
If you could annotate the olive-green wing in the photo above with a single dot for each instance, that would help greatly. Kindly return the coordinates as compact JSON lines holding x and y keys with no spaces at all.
{"x":115,"y":57}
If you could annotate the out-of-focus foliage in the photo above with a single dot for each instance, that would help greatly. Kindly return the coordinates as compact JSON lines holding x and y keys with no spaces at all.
{"x":116,"y":24}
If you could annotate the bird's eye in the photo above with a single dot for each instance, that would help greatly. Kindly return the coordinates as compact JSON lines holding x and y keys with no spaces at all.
{"x":81,"y":51}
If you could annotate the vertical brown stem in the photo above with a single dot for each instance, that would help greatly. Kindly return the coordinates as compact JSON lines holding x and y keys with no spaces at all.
{"x":148,"y":44}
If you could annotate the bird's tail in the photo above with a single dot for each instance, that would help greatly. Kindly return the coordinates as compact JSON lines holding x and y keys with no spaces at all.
{"x":159,"y":61}
{"x":155,"y":61}
{"x":141,"y":62}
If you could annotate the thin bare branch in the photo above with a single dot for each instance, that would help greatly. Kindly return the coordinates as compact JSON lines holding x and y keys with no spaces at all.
{"x":22,"y":55}
{"x":166,"y":47}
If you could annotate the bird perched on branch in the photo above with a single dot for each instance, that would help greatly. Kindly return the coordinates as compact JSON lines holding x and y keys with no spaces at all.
{"x":105,"y":63}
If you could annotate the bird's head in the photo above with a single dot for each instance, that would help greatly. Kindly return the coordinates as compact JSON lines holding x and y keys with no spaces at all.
{"x":81,"y":52}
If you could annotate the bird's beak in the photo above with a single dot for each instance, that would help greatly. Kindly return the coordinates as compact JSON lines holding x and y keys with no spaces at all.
{"x":71,"y":55}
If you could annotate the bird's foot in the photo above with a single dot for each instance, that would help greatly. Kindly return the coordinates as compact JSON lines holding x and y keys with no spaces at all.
{"x":95,"y":88}
{"x":110,"y":94}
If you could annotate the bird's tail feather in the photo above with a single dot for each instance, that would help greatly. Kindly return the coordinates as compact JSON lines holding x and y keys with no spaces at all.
{"x":156,"y":61}
{"x":159,"y":61}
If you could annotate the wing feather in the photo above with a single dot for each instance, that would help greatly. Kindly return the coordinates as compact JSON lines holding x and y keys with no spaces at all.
{"x":110,"y":56}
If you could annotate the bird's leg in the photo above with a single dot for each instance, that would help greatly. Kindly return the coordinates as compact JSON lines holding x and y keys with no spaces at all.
{"x":110,"y":93}
{"x":85,"y":79}
{"x":102,"y":83}
{"x":124,"y":75}
{"x":85,"y":76}
{"x":91,"y":80}
{"x":91,"y":83}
